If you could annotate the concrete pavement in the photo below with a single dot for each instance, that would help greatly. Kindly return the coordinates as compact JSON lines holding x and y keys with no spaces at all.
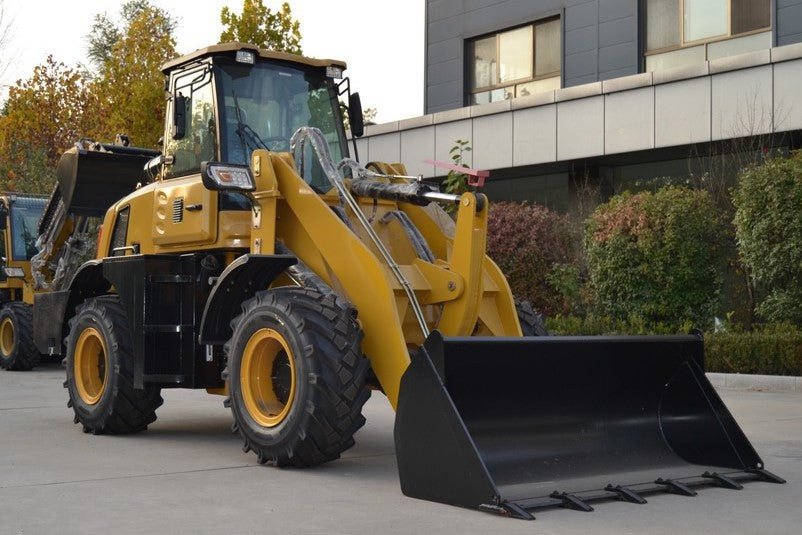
{"x":187,"y":474}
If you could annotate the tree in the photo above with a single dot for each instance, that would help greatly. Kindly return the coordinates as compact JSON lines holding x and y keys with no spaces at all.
{"x":533,"y":246}
{"x":43,"y":116}
{"x":262,"y":27}
{"x":131,"y":85}
{"x":104,"y":33}
{"x":656,"y":257}
{"x":5,"y":39}
{"x":769,"y":234}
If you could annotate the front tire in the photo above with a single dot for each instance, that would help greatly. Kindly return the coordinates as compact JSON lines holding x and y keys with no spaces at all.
{"x":17,"y":349}
{"x":100,"y":375}
{"x":532,"y":323}
{"x":296,"y":376}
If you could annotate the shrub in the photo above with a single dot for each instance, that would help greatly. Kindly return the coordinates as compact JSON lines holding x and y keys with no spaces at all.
{"x":768,"y":229}
{"x":592,"y":324}
{"x":656,"y":257}
{"x":771,"y":350}
{"x":533,"y":246}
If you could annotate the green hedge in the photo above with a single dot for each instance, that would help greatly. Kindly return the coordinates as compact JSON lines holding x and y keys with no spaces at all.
{"x":762,"y":353}
{"x":774,"y":349}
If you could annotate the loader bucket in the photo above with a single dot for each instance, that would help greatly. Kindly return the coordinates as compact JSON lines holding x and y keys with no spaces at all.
{"x":90,"y":180}
{"x":510,"y":425}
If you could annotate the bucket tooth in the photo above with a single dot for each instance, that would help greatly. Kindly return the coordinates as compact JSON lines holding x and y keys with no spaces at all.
{"x":509,"y":509}
{"x":723,"y":481}
{"x":625,"y":494}
{"x":765,"y":475}
{"x":675,"y":487}
{"x":570,"y":501}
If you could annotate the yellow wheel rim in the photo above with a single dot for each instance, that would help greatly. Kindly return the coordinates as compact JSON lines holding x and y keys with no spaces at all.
{"x":7,"y":336}
{"x":90,"y":366}
{"x":267,"y":377}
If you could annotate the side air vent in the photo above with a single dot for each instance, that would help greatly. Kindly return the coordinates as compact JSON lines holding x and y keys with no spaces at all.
{"x":178,"y":210}
{"x":120,"y":233}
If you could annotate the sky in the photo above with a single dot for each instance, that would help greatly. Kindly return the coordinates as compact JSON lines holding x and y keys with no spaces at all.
{"x":382,"y":42}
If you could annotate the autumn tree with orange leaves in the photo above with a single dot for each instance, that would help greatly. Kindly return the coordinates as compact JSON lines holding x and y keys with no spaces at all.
{"x":47,"y":113}
{"x":43,"y":116}
{"x":130,"y":85}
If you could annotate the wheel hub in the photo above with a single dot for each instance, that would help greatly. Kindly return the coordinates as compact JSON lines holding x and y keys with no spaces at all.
{"x":7,"y":336}
{"x":90,"y":366}
{"x":267,"y":377}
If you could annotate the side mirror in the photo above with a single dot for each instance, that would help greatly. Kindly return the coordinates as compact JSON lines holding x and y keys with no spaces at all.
{"x":3,"y":216}
{"x":179,"y":117}
{"x":355,"y":115}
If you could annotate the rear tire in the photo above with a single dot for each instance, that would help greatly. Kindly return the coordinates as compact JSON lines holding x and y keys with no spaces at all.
{"x":100,"y":374}
{"x":296,"y":375}
{"x":532,"y":323}
{"x":17,"y":350}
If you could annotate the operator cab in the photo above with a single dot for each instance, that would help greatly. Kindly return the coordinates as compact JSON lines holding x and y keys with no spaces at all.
{"x":228,"y":100}
{"x":20,"y":217}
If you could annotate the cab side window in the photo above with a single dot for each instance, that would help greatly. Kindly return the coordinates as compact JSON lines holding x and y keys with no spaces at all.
{"x":199,"y":141}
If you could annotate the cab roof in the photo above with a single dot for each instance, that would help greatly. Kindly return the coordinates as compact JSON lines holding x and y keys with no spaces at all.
{"x":231,"y":49}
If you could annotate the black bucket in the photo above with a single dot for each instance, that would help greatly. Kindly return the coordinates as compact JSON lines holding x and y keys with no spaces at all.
{"x":91,"y":181}
{"x":510,"y":425}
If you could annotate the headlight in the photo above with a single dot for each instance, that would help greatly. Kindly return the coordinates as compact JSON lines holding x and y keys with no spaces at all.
{"x":334,"y":71}
{"x":14,"y":272}
{"x":225,"y":176}
{"x":245,"y":56}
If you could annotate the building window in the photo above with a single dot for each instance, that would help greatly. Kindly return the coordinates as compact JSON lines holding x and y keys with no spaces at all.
{"x":681,"y":32}
{"x":516,"y":62}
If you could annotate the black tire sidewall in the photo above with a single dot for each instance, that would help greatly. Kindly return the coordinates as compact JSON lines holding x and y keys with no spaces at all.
{"x":24,"y":355}
{"x":91,"y":314}
{"x":532,"y":323}
{"x":324,"y":338}
{"x":271,"y":317}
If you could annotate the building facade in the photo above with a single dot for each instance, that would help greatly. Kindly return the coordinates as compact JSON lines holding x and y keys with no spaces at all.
{"x":555,"y":94}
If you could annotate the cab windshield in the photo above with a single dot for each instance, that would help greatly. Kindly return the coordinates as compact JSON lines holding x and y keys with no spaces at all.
{"x":261,"y":106}
{"x":25,"y":215}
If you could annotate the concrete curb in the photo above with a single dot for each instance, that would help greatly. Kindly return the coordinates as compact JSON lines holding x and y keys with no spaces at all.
{"x":765,"y":383}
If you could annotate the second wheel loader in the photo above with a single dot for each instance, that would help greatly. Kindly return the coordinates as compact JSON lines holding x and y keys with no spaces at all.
{"x":19,"y":217}
{"x":259,"y":262}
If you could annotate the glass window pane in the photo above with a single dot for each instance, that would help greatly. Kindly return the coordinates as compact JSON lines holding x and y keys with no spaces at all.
{"x":198,"y":143}
{"x":739,"y":45}
{"x":676,"y":58}
{"x":662,"y":24}
{"x":748,"y":15}
{"x":547,"y":47}
{"x":498,"y":94}
{"x":484,"y":62}
{"x":480,"y":98}
{"x":515,"y":54}
{"x":537,"y":86}
{"x":705,"y":18}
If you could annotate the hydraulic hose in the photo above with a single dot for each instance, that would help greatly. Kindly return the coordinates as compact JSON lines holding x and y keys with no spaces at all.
{"x":321,"y":147}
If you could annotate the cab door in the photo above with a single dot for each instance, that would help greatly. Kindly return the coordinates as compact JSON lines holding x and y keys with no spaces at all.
{"x":185,"y":212}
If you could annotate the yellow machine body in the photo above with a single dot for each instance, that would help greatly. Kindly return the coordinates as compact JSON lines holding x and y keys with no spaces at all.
{"x":257,"y":261}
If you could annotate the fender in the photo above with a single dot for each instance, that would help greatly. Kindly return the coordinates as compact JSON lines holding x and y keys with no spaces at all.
{"x":237,"y":283}
{"x":51,"y":309}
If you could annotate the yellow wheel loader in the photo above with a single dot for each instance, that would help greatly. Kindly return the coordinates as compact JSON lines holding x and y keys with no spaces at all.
{"x":19,"y":217}
{"x":43,"y":243}
{"x":256,"y":260}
